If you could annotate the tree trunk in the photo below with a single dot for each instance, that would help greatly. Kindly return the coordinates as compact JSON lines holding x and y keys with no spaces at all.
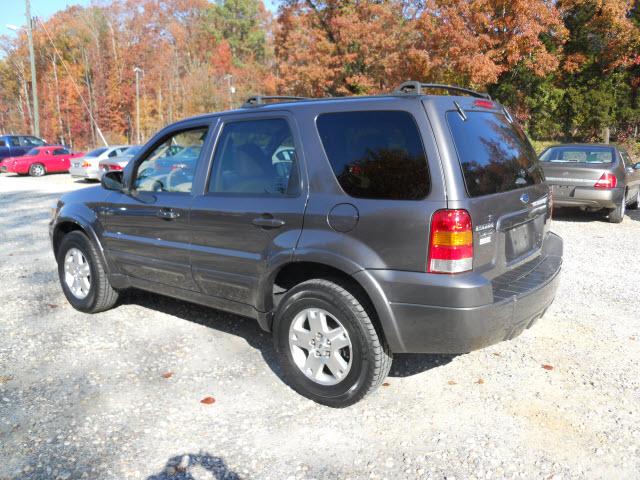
{"x":55,"y":77}
{"x":606,"y":134}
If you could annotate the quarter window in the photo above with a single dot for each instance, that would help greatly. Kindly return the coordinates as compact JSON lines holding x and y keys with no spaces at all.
{"x":170,"y":167}
{"x":376,"y":154}
{"x":256,"y":157}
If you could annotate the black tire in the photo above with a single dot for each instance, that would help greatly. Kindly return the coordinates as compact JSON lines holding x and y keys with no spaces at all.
{"x":371,"y":355}
{"x":101,"y":295}
{"x":636,"y":203}
{"x":37,"y":170}
{"x":617,"y":214}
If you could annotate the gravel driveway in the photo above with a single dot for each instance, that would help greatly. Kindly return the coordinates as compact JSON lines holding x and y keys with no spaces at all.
{"x":118,"y":395}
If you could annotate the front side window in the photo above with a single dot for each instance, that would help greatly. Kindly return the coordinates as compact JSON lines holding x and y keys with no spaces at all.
{"x":31,"y":142}
{"x":376,"y":154}
{"x":495,"y":155}
{"x":578,"y":154}
{"x":171,"y":165}
{"x":14,"y":141}
{"x":256,"y":157}
{"x":33,"y":152}
{"x":61,"y":151}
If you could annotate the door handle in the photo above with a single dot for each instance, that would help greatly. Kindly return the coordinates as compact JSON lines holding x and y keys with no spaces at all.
{"x":167,"y":214}
{"x":268,"y":221}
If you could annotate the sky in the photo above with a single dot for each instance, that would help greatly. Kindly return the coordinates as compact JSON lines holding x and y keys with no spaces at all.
{"x":13,"y":10}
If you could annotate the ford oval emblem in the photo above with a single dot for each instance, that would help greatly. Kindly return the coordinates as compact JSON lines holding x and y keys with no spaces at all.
{"x":524,"y":198}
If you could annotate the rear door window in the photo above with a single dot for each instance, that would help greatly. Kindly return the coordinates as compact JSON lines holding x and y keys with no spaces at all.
{"x":376,"y":154}
{"x":495,"y":155}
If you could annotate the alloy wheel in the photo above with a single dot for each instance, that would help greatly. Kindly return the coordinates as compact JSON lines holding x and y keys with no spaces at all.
{"x":77,"y":273}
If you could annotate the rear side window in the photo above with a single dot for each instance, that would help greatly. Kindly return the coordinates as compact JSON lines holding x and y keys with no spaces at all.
{"x":495,"y":155}
{"x":96,"y":153}
{"x":376,"y":154}
{"x":578,"y":155}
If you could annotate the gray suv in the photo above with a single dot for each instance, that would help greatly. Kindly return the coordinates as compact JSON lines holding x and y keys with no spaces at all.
{"x":350,"y":228}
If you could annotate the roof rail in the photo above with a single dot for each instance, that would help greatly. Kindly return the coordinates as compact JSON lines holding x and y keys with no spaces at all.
{"x":259,"y":100}
{"x":413,"y":87}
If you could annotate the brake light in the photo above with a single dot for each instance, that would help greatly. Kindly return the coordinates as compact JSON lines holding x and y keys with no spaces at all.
{"x":451,"y":242}
{"x":484,"y":104}
{"x":86,"y":164}
{"x":113,"y":167}
{"x":607,"y":180}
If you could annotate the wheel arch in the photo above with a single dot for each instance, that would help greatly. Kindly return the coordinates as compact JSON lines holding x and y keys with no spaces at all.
{"x":67,"y":225}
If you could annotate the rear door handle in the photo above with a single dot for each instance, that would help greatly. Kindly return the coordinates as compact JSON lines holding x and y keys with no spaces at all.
{"x":167,"y":214}
{"x":268,"y":221}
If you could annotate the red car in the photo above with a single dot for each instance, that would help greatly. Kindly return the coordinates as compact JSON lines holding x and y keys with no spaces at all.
{"x":39,"y":161}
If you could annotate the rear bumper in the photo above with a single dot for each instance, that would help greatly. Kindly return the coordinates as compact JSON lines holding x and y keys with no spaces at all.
{"x":587,"y":197}
{"x":89,"y":173}
{"x":516,"y":300}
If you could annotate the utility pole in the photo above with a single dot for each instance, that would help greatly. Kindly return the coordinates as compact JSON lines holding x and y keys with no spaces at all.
{"x":138,"y":70}
{"x":34,"y":81}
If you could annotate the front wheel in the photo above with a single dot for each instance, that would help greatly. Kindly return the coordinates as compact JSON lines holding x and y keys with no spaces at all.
{"x":617,"y":214}
{"x":82,"y":275}
{"x":327,"y":345}
{"x":37,"y":170}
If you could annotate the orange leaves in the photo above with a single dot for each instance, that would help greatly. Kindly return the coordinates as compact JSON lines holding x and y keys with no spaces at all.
{"x":167,"y":375}
{"x":208,"y":400}
{"x":547,"y":366}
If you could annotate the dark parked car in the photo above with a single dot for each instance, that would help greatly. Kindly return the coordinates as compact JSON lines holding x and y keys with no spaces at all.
{"x":592,"y":177}
{"x":18,"y":145}
{"x":397,"y":223}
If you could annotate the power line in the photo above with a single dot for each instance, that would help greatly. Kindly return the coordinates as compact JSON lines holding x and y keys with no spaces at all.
{"x":66,"y":67}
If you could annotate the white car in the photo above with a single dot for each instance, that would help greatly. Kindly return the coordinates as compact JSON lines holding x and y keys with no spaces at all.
{"x":88,"y":166}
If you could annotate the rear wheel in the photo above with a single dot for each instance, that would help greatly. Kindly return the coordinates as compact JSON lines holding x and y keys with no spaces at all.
{"x":37,"y":170}
{"x":636,"y":202}
{"x":327,"y":345}
{"x":617,"y":214}
{"x":82,"y":275}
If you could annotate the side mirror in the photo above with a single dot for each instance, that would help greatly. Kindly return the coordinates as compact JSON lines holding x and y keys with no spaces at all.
{"x":113,"y":181}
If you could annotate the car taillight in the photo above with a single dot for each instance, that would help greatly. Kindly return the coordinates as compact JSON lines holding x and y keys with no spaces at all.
{"x":451,"y":242}
{"x":607,"y":180}
{"x":86,"y":164}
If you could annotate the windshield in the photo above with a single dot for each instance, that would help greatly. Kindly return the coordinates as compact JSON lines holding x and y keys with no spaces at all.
{"x":495,"y":155}
{"x":578,"y":155}
{"x":96,"y":153}
{"x":33,"y":152}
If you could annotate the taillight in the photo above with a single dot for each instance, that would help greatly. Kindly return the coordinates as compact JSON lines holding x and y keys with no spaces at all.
{"x":484,"y":104}
{"x":86,"y":164}
{"x":451,"y":242}
{"x":607,"y":180}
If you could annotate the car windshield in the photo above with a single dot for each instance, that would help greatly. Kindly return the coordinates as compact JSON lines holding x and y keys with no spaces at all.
{"x":597,"y":155}
{"x":33,"y":151}
{"x":495,"y":155}
{"x":96,"y":153}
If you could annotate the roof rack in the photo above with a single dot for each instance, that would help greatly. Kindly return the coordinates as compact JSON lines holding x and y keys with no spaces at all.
{"x":259,"y":100}
{"x":413,"y":87}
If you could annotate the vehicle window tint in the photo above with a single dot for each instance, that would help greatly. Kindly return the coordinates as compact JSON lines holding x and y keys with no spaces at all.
{"x":256,"y":157}
{"x":33,"y":152}
{"x":14,"y":141}
{"x":3,"y":143}
{"x":495,"y":155}
{"x":376,"y":154}
{"x":113,"y":153}
{"x":171,"y":165}
{"x":61,"y":151}
{"x":593,"y":154}
{"x":96,"y":153}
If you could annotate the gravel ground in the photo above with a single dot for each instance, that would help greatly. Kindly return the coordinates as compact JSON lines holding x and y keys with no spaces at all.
{"x":118,"y":395}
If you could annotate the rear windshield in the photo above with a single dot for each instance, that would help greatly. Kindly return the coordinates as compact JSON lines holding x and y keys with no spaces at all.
{"x":495,"y":155}
{"x":578,"y":155}
{"x":96,"y":153}
{"x":376,"y":154}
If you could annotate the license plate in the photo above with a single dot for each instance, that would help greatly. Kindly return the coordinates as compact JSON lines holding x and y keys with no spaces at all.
{"x":519,"y":240}
{"x":562,"y":190}
{"x":76,"y":165}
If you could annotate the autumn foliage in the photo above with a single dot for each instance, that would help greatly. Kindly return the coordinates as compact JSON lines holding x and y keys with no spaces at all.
{"x":566,"y":68}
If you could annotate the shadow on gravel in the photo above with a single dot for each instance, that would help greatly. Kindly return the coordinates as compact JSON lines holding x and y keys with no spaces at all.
{"x":575,"y":215}
{"x":195,"y":467}
{"x":404,"y":365}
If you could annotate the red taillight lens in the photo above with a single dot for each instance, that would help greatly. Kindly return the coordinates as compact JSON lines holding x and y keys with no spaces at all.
{"x":484,"y":104}
{"x":86,"y":164}
{"x":607,"y":180}
{"x":451,"y":242}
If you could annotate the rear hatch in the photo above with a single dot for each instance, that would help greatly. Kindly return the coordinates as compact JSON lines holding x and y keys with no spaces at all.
{"x":570,"y":166}
{"x":499,"y":181}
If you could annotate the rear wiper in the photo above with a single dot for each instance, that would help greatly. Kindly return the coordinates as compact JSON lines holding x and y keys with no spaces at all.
{"x":460,"y":111}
